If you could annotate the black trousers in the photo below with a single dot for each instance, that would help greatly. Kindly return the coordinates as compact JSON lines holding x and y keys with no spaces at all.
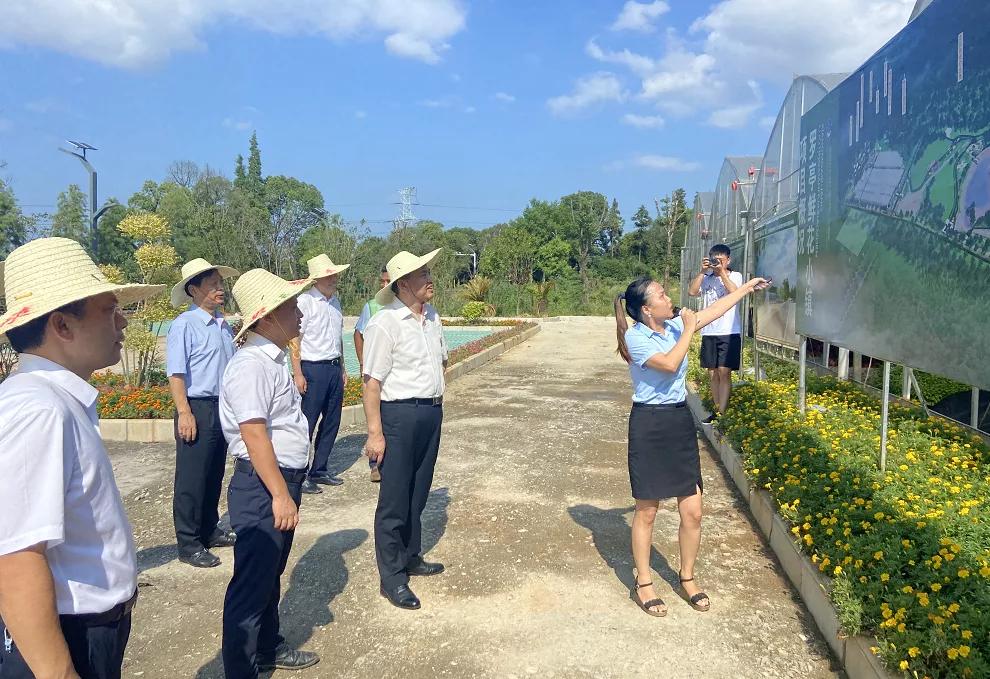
{"x":324,"y":398}
{"x":97,"y":651}
{"x":412,"y":439}
{"x":199,"y":467}
{"x":250,"y":608}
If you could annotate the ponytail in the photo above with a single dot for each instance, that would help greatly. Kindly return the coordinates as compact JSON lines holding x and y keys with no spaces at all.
{"x":621,"y":325}
{"x":634,"y":298}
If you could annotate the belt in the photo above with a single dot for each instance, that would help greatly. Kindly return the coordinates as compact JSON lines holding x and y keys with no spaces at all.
{"x":290,"y":475}
{"x":115,"y":614}
{"x":433,"y":401}
{"x":660,"y":406}
{"x":212,"y":399}
{"x":330,"y":361}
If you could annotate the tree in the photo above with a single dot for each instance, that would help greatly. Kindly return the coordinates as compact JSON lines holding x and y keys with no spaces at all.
{"x":591,"y":221}
{"x":293,"y":207}
{"x":184,"y":173}
{"x":116,"y":249}
{"x":552,"y":259}
{"x":672,"y":221}
{"x":70,"y":216}
{"x":251,"y":180}
{"x":13,"y":223}
{"x":509,"y":255}
{"x":637,"y":239}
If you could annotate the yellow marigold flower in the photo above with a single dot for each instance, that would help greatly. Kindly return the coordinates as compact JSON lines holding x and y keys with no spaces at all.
{"x":914,"y":651}
{"x":903,"y":665}
{"x":954,"y":607}
{"x":837,"y":570}
{"x":963,"y":573}
{"x":884,"y":577}
{"x":952,"y":653}
{"x":966,"y":634}
{"x":964,"y":651}
{"x":936,"y":586}
{"x":985,"y":571}
{"x":907,"y":589}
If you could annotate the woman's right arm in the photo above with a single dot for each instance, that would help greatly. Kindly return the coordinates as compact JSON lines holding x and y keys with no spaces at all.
{"x":671,"y":361}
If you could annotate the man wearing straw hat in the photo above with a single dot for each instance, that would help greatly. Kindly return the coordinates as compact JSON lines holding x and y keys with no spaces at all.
{"x":262,"y":417}
{"x":318,"y":365}
{"x":197,"y":349}
{"x":404,"y":358}
{"x":68,"y":573}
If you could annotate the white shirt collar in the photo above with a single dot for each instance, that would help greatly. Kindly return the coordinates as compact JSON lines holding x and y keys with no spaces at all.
{"x":404,"y":311}
{"x":81,"y":390}
{"x":269,"y":348}
{"x":313,"y":292}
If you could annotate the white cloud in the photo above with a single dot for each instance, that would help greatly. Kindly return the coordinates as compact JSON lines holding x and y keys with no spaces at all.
{"x":639,"y":16}
{"x":735,"y":43}
{"x":436,"y":103}
{"x":360,"y":115}
{"x":665,"y":163}
{"x":637,"y":63}
{"x":139,"y":33}
{"x":643,"y":122}
{"x":776,"y":39}
{"x":592,"y":89}
{"x":738,"y":115}
{"x":767,"y":122}
{"x":507,"y":98}
{"x":238,"y":125}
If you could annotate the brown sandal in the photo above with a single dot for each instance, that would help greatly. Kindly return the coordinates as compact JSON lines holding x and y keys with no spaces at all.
{"x":648,"y":605}
{"x":695,"y":600}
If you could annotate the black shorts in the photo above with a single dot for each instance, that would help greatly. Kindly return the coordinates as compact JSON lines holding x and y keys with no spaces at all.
{"x":721,"y":351}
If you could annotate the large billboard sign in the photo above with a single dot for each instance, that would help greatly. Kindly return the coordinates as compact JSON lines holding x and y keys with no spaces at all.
{"x":893,"y":237}
{"x":775,"y":257}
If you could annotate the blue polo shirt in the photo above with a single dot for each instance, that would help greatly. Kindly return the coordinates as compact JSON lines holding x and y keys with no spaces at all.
{"x":649,"y":385}
{"x":198,"y":347}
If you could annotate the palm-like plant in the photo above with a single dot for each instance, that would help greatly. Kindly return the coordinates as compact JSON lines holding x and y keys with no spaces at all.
{"x":540,"y":292}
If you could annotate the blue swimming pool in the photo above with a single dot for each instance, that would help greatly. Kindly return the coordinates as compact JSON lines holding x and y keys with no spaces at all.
{"x":455,"y":337}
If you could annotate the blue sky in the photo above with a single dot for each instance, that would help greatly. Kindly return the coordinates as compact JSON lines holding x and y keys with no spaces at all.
{"x":477,"y":103}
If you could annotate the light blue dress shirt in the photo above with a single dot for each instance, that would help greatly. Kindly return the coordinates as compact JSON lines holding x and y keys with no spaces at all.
{"x":649,"y":385}
{"x":198,"y":347}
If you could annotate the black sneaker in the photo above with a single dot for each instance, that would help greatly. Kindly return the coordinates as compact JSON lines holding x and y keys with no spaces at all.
{"x":310,"y":488}
{"x":710,"y":419}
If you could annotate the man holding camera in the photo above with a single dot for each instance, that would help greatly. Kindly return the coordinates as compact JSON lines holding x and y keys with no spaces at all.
{"x":721,"y":340}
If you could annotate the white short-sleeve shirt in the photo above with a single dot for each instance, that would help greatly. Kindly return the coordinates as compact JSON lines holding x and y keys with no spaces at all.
{"x":57,"y":487}
{"x":405,"y":353}
{"x":713,"y":289}
{"x":321,"y":328}
{"x":257,"y":386}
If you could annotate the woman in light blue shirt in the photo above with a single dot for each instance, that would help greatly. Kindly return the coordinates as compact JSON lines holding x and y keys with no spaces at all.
{"x":663,"y":443}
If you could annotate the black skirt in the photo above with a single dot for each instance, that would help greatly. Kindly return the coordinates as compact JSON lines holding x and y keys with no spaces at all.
{"x":663,"y":452}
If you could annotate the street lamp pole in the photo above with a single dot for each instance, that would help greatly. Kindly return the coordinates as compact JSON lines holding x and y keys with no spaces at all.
{"x":94,"y":214}
{"x":474,"y":259}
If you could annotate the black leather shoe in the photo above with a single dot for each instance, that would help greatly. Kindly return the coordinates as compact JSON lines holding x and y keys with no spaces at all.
{"x":327,"y":480}
{"x":310,"y":488}
{"x":401,"y":597}
{"x":204,"y":558}
{"x":419,"y":567}
{"x":223,"y":540}
{"x":288,"y":659}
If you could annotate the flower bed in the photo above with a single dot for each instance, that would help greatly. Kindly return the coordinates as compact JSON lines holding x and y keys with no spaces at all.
{"x":487,"y":322}
{"x":908,"y":551}
{"x":120,"y":401}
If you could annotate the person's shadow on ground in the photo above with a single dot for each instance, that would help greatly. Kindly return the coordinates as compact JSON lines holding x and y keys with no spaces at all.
{"x":435,"y":518}
{"x":315,"y":581}
{"x":612,"y":538}
{"x":346,"y":451}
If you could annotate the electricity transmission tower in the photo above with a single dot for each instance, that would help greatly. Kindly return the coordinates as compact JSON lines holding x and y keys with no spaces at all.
{"x":407,"y":198}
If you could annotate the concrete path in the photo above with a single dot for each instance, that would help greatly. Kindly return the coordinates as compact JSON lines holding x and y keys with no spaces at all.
{"x":530,"y":512}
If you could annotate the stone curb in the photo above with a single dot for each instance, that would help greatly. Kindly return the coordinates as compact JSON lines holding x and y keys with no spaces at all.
{"x":161,"y":431}
{"x":853,"y":653}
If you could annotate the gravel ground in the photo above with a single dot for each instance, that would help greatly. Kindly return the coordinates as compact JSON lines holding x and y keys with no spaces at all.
{"x":530,"y":512}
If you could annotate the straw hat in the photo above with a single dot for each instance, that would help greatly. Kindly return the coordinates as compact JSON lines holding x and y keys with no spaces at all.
{"x":401,"y":265}
{"x":48,"y":273}
{"x":321,"y":266}
{"x":189,"y":271}
{"x":259,"y":292}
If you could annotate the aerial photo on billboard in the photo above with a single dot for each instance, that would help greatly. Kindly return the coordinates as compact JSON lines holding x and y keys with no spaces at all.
{"x":894,"y":210}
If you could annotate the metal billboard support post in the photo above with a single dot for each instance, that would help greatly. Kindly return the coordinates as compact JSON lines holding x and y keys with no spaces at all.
{"x":921,"y":396}
{"x":756,"y":360}
{"x":843,"y":367}
{"x":884,"y":416}
{"x":826,"y":350}
{"x":802,"y":382}
{"x":857,"y":366}
{"x":974,"y":409}
{"x":906,"y":382}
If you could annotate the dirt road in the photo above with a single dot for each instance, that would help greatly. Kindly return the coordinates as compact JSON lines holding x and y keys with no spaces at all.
{"x":530,"y":512}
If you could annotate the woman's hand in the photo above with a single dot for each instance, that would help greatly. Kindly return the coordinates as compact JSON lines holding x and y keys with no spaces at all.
{"x":757,"y":283}
{"x":690,"y":319}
